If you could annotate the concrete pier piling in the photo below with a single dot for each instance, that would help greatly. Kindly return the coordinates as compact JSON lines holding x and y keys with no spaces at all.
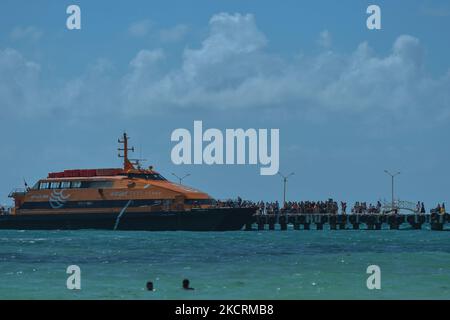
{"x":435,"y":222}
{"x":260,"y":226}
{"x":416,"y":221}
{"x":332,"y":220}
{"x":283,"y":221}
{"x":342,"y":221}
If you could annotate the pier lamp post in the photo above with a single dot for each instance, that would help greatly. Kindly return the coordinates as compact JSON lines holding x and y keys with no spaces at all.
{"x":393,"y":175}
{"x":181,"y":178}
{"x":285,"y":178}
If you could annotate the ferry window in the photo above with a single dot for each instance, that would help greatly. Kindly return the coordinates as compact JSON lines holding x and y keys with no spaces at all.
{"x":65,"y":185}
{"x":43,"y":185}
{"x":98,"y":184}
{"x":54,"y":185}
{"x":199,"y":201}
{"x":76,"y":184}
{"x":150,"y":176}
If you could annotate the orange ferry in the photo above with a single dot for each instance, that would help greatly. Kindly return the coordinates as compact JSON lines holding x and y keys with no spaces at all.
{"x":128,"y":198}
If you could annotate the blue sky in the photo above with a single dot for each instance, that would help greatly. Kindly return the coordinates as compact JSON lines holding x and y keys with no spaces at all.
{"x":349,"y":102}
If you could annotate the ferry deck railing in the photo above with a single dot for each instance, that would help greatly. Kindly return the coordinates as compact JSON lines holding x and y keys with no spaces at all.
{"x":17,"y":191}
{"x":5,"y":210}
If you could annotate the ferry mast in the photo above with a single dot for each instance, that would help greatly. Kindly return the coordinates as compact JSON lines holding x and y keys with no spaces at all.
{"x":127,"y":165}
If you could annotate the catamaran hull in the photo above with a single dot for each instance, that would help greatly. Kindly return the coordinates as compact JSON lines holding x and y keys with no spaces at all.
{"x":219,"y":219}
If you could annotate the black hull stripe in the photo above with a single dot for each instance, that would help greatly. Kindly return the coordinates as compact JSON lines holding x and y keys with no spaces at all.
{"x":195,"y":220}
{"x":96,"y":204}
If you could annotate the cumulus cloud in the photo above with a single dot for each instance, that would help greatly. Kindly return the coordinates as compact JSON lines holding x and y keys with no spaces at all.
{"x":144,"y":71}
{"x":146,"y":58}
{"x":29,"y":33}
{"x":89,"y":94}
{"x":173,"y":34}
{"x":324,"y":39}
{"x":140,"y":28}
{"x":19,"y":82}
{"x":227,"y":56}
{"x":230,"y":37}
{"x":231,"y":68}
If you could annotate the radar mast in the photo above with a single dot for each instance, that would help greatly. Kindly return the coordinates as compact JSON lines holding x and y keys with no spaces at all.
{"x":127,"y":165}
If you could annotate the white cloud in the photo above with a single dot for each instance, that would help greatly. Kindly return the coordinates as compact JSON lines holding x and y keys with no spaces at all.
{"x":324,"y":39}
{"x":232,"y":69}
{"x":19,"y":83}
{"x":229,"y":36}
{"x":147,"y":57}
{"x":173,"y":34}
{"x":225,"y":53}
{"x":140,"y":28}
{"x":91,"y":94}
{"x":145,"y":70}
{"x":30,"y":33}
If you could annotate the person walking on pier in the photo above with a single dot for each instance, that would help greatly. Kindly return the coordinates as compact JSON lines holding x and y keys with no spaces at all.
{"x":378,"y":206}
{"x":343,"y":207}
{"x":422,"y":208}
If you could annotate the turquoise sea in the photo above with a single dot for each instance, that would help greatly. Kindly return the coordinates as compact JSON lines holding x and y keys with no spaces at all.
{"x":230,"y":265}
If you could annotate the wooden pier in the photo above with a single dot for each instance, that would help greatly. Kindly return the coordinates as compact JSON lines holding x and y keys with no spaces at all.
{"x":311,"y":221}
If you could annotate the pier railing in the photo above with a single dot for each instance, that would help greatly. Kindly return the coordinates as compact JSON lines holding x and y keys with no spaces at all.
{"x":4,"y":210}
{"x":368,"y":221}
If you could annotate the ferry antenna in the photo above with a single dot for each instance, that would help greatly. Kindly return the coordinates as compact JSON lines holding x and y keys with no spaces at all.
{"x":127,"y":165}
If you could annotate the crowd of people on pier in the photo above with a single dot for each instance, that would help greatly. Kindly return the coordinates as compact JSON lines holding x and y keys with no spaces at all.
{"x":274,"y":207}
{"x":329,"y":206}
{"x":363,"y":208}
{"x":4,"y":210}
{"x":440,"y":209}
{"x":320,"y":207}
{"x":235,"y":203}
{"x":420,"y":207}
{"x":303,"y":207}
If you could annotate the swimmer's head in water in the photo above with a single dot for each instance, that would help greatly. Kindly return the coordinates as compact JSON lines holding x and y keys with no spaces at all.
{"x":150,"y":286}
{"x":186,"y":285}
